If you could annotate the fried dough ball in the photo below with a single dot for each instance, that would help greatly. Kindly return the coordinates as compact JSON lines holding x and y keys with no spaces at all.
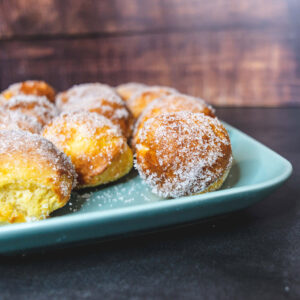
{"x":183,"y":153}
{"x":139,"y":100}
{"x":35,"y":106}
{"x":95,"y":145}
{"x":35,"y":177}
{"x":172,"y":103}
{"x":126,"y":90}
{"x":30,"y":87}
{"x":81,"y":91}
{"x":15,"y":120}
{"x":99,"y":98}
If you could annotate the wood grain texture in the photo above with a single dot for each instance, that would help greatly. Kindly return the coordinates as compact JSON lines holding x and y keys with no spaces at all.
{"x":30,"y":17}
{"x":230,"y":52}
{"x":226,"y":68}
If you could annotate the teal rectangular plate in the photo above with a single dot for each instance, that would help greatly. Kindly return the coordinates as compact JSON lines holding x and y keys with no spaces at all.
{"x":129,"y":206}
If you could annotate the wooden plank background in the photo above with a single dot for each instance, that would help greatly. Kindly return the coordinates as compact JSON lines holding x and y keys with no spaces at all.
{"x":230,"y":52}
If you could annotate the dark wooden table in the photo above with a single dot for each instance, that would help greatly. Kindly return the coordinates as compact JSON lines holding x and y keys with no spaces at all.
{"x":250,"y":254}
{"x":229,"y":52}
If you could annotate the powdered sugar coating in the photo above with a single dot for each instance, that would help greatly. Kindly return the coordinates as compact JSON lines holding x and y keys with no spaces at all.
{"x":173,"y":103}
{"x":33,"y":147}
{"x":96,"y":104}
{"x":30,"y":87}
{"x":15,"y":87}
{"x":15,"y":120}
{"x":84,"y":91}
{"x":164,"y":90}
{"x":86,"y":123}
{"x":142,"y":97}
{"x":35,"y":106}
{"x":91,"y":140}
{"x":114,"y":110}
{"x":182,"y":153}
{"x":126,"y":90}
{"x":2,"y":99}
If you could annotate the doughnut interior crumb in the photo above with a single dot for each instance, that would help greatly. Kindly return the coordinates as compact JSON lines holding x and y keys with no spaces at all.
{"x":35,"y":177}
{"x":23,"y":201}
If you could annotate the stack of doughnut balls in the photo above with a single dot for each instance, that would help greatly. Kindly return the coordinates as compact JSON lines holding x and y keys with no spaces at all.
{"x":88,"y":135}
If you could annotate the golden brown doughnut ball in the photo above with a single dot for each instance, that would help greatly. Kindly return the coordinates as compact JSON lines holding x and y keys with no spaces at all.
{"x":99,"y":98}
{"x":35,"y":177}
{"x":34,"y":106}
{"x":82,"y":91}
{"x":172,"y":103}
{"x":126,"y":90}
{"x":95,"y":145}
{"x":183,"y":153}
{"x":139,"y":100}
{"x":30,"y":87}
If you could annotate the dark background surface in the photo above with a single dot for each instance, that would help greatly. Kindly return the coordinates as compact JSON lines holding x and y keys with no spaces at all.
{"x":230,"y":52}
{"x":250,"y":254}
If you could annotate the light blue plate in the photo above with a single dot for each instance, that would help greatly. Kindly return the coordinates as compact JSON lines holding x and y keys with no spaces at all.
{"x":129,"y":206}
